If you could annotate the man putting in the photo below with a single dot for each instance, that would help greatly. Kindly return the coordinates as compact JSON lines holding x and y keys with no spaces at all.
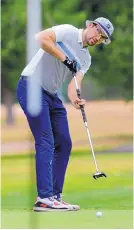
{"x":64,"y":51}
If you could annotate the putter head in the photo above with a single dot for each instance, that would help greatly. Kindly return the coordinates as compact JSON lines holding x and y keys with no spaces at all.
{"x":99,"y":174}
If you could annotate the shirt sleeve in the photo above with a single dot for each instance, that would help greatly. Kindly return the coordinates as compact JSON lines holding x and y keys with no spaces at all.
{"x":85,"y":67}
{"x":61,"y":31}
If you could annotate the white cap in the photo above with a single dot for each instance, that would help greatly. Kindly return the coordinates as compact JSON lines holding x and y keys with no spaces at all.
{"x":106,"y":25}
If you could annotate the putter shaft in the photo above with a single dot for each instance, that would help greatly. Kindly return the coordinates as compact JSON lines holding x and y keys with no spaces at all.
{"x":86,"y":125}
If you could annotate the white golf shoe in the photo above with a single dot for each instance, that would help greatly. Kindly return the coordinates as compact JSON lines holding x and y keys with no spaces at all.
{"x":50,"y":204}
{"x":72,"y":207}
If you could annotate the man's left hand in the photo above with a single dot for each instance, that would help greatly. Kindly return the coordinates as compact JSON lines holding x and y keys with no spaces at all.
{"x":77,"y":102}
{"x":72,"y":65}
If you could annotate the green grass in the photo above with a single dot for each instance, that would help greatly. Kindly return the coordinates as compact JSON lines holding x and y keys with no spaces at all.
{"x":111,"y":195}
{"x":116,"y":219}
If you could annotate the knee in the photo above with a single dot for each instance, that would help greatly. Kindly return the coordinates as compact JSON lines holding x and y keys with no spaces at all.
{"x":65,"y":143}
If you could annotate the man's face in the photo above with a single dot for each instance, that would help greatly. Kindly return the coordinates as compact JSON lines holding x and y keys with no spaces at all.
{"x":95,"y":35}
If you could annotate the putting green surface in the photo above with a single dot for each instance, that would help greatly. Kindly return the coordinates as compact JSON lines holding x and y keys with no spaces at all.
{"x":111,"y":195}
{"x":80,"y":219}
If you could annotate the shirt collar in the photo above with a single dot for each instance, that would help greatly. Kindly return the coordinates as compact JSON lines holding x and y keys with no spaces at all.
{"x":80,"y":39}
{"x":80,"y":35}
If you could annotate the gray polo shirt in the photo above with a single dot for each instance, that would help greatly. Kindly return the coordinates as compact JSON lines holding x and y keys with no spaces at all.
{"x":54,"y":72}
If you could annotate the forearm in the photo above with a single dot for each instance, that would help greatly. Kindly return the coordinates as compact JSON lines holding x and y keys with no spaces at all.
{"x":47,"y":41}
{"x":49,"y":46}
{"x":72,"y":95}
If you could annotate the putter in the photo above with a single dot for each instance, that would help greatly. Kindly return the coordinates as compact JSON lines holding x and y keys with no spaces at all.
{"x":97,"y":174}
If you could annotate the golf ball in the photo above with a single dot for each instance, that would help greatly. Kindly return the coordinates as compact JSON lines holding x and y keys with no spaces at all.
{"x":98,"y":214}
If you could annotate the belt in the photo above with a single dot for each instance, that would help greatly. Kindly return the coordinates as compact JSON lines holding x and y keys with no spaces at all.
{"x":24,"y":77}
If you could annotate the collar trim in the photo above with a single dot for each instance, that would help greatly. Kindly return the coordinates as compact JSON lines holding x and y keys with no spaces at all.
{"x":80,"y":36}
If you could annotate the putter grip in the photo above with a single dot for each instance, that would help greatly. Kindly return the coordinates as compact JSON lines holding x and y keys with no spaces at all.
{"x":81,"y":106}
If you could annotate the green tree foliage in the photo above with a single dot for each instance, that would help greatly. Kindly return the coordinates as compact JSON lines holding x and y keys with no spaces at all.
{"x":63,"y":12}
{"x":111,"y":65}
{"x":13,"y":35}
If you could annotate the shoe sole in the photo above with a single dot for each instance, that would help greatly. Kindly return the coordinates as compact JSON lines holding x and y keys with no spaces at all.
{"x":74,"y":208}
{"x":40,"y":209}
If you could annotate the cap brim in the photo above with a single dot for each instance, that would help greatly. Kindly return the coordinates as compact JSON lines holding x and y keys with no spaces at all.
{"x":106,"y":41}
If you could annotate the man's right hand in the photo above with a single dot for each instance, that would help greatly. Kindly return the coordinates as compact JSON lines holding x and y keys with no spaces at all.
{"x":72,"y":65}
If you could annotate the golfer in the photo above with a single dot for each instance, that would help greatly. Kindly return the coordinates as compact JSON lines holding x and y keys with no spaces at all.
{"x":63,"y":52}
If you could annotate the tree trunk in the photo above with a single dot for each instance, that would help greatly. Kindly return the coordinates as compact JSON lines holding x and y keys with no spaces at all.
{"x":8,"y":101}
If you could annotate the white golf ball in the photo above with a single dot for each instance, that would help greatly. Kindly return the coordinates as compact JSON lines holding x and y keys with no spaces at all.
{"x":98,"y":214}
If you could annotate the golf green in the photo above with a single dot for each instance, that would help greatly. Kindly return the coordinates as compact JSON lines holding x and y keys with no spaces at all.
{"x":112,"y":195}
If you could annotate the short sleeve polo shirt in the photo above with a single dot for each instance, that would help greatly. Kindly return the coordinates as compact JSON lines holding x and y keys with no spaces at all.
{"x":54,"y":72}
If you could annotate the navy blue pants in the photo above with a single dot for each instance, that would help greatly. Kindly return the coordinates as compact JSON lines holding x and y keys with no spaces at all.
{"x":52,"y":140}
